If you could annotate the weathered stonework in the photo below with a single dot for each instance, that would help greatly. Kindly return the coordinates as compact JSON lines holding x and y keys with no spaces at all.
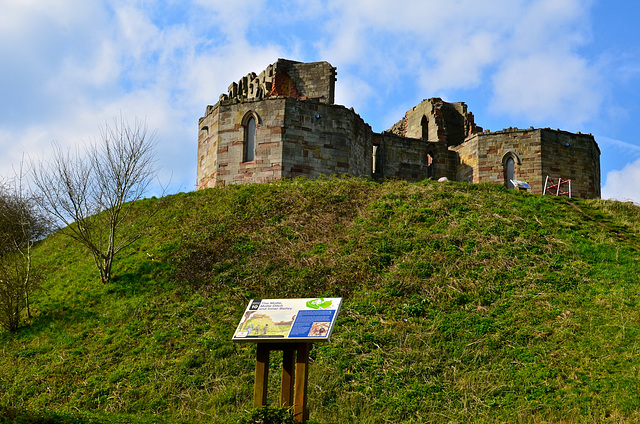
{"x":437,"y":120}
{"x":537,"y":153}
{"x":285,"y":78}
{"x":404,"y":158}
{"x":323,"y":139}
{"x":299,"y":131}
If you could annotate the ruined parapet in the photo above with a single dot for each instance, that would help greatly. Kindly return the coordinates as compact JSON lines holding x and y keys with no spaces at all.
{"x":285,"y":78}
{"x":399,"y":128}
{"x":470,"y":126}
{"x":436,"y":120}
{"x":438,"y":112}
{"x":282,"y":123}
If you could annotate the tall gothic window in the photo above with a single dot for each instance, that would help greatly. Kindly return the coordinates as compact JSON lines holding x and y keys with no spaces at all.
{"x":250,"y":140}
{"x":425,"y":127}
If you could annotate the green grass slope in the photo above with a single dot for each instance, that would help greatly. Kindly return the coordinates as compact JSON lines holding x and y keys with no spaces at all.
{"x":462,"y":303}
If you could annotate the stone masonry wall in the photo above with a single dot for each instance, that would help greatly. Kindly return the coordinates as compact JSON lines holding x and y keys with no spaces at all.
{"x":322,"y":139}
{"x":537,"y":153}
{"x":411,"y":125}
{"x":481,"y":157}
{"x":466,"y":161}
{"x":455,"y":117}
{"x":207,"y":148}
{"x":314,"y":80}
{"x":285,"y":78}
{"x":572,"y":156}
{"x":414,"y":129}
{"x":228,"y":150}
{"x":299,"y":131}
{"x":445,"y":121}
{"x":406,"y":158}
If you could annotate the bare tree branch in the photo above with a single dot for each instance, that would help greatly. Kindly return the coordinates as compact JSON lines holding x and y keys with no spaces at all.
{"x":91,"y":195}
{"x":21,"y":225}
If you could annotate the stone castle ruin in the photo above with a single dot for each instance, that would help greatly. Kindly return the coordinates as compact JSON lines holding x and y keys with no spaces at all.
{"x":284,"y":123}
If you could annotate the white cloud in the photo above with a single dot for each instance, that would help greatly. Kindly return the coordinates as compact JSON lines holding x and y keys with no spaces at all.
{"x":552,"y":88}
{"x":352,"y":92}
{"x":551,"y":25}
{"x":526,"y":50}
{"x":18,"y":17}
{"x":230,"y":17}
{"x":209,"y":74}
{"x":137,"y":32}
{"x":37,"y":45}
{"x":126,"y":61}
{"x":541,"y":75}
{"x":72,"y":65}
{"x":460,"y":64}
{"x":623,"y":184}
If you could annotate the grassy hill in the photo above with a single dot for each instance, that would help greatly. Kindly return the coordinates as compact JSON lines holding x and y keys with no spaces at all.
{"x":462,"y":303}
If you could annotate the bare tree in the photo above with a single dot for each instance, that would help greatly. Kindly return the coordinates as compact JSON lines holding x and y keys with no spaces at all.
{"x":21,"y":225}
{"x":91,"y":194}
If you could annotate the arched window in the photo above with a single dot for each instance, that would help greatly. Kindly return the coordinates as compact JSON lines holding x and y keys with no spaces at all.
{"x":250,"y":140}
{"x":425,"y":127}
{"x":510,"y":161}
{"x":509,"y":171}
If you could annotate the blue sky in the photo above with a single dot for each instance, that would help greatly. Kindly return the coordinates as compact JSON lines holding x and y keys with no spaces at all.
{"x":69,"y":66}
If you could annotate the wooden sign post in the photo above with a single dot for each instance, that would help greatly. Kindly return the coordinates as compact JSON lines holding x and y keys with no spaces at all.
{"x":300,"y":410}
{"x":295,"y":376}
{"x":266,"y":323}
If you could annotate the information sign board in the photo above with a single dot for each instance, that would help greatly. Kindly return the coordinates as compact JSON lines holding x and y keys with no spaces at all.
{"x":283,"y":320}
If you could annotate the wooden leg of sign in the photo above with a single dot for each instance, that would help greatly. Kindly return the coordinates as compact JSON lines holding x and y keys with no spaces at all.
{"x":262,"y":375}
{"x":288,"y":371}
{"x":300,"y":412}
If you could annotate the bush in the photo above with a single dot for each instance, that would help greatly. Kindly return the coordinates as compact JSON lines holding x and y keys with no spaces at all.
{"x":268,"y":415}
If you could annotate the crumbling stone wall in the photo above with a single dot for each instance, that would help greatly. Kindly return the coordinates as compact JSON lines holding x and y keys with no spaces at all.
{"x":410,"y":159}
{"x":315,"y":80}
{"x":287,"y":78}
{"x":436,"y":128}
{"x":482,"y":157}
{"x":299,"y":131}
{"x":221,"y":135}
{"x":456,"y":119}
{"x":436,"y":120}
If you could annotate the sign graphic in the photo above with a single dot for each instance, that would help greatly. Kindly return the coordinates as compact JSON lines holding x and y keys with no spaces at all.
{"x":281,"y":320}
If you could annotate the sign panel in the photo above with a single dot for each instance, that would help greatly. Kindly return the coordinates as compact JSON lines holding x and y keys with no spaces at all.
{"x":282,"y":320}
{"x":520,"y":184}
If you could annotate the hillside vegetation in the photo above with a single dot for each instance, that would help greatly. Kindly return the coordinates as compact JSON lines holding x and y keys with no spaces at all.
{"x":462,"y":303}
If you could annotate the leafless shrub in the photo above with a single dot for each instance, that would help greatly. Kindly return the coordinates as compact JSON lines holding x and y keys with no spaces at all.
{"x":91,"y":195}
{"x":21,"y":225}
